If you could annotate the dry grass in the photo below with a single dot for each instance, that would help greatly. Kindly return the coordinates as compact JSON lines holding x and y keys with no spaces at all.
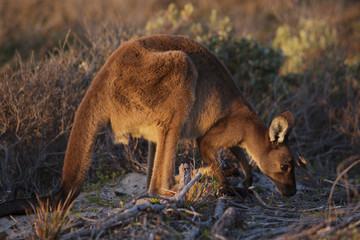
{"x":201,"y":194}
{"x":38,"y":102}
{"x":336,"y":222}
{"x":48,"y":221}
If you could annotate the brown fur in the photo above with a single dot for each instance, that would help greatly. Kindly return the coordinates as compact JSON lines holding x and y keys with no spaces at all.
{"x":166,"y":88}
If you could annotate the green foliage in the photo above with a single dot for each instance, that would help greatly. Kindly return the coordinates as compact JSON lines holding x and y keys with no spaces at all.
{"x":259,"y":189}
{"x":107,"y":177}
{"x":357,"y":179}
{"x":96,"y":199}
{"x":93,"y":189}
{"x":155,"y":200}
{"x":271,"y":198}
{"x":103,"y":177}
{"x":171,"y":18}
{"x":253,"y":65}
{"x":308,"y":38}
{"x":216,"y":183}
{"x":206,"y":234}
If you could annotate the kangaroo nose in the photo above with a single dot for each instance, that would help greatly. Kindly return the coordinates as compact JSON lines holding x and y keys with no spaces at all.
{"x":293,"y":192}
{"x":289,"y":193}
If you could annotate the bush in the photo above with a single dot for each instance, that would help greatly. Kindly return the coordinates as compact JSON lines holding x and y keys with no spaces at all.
{"x":38,"y":104}
{"x":253,"y":65}
{"x":327,"y":112}
{"x":39,"y":101}
{"x":308,"y":39}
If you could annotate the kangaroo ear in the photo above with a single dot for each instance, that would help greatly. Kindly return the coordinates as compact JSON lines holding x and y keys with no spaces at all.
{"x":280,"y":127}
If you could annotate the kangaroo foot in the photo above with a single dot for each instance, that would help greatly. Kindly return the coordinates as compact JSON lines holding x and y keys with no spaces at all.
{"x":247,"y":182}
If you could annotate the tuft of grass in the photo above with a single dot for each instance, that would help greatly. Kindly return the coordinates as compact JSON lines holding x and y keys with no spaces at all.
{"x":102,"y":178}
{"x":49,"y":221}
{"x":259,"y":189}
{"x":201,"y":194}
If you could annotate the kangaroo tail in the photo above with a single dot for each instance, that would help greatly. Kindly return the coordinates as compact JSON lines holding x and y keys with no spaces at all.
{"x":21,"y":206}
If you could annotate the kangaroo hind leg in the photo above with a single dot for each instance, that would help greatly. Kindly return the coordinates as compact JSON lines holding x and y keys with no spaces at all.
{"x":161,"y":177}
{"x":151,"y":159}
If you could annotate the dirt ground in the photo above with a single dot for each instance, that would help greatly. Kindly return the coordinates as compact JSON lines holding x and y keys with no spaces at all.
{"x":258,"y":214}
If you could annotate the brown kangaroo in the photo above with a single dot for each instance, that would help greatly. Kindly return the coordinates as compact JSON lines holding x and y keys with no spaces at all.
{"x":165,"y":88}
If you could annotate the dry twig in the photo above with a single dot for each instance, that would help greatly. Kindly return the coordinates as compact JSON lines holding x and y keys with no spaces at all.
{"x":228,"y":221}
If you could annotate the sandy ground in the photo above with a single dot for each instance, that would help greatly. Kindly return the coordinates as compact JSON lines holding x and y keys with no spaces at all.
{"x":133,"y":184}
{"x":272,"y":218}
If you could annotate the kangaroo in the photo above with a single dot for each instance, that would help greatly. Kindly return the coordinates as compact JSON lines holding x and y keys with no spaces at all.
{"x":165,"y":88}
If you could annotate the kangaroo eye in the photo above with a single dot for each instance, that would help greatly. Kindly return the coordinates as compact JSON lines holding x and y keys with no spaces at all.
{"x":284,"y":168}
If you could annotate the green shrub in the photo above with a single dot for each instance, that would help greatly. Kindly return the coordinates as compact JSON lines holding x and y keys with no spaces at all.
{"x":309,"y":38}
{"x":253,"y":65}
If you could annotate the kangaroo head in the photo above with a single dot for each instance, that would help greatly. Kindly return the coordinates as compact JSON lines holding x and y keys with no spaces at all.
{"x":277,"y":161}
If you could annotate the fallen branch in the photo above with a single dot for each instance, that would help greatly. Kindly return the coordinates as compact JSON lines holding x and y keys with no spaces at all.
{"x":264,"y":204}
{"x":320,"y":228}
{"x":182,"y":193}
{"x":219,"y":209}
{"x":342,"y":185}
{"x":237,"y":205}
{"x":137,"y":207}
{"x":184,"y":175}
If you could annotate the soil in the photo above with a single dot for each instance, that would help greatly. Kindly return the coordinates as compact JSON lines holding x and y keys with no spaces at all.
{"x":258,"y":214}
